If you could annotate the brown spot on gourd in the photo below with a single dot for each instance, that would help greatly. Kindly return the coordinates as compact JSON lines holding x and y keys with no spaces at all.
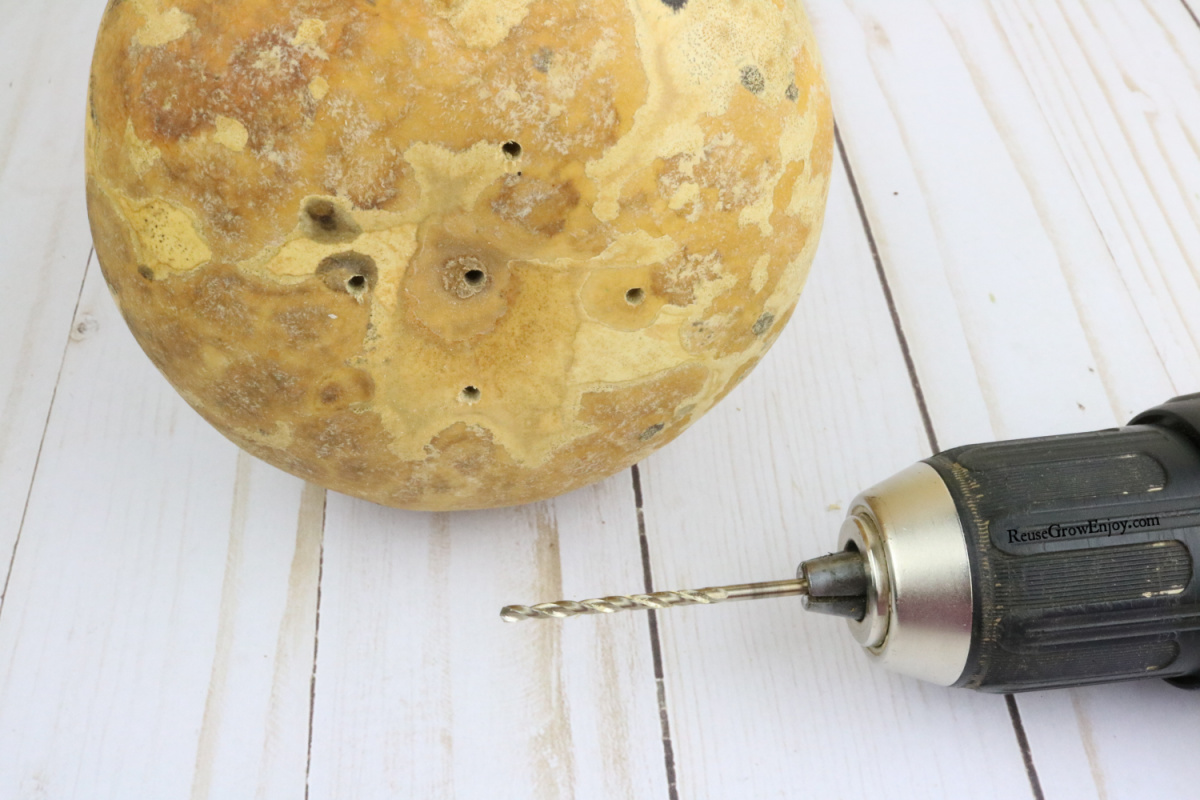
{"x":301,"y":325}
{"x":220,"y":298}
{"x":252,"y":391}
{"x":538,"y":206}
{"x":177,"y":99}
{"x":624,"y":415}
{"x":350,"y":446}
{"x":737,"y":171}
{"x":266,"y":84}
{"x":343,"y":388}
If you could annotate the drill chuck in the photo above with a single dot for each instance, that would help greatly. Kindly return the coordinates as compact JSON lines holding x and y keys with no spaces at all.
{"x":916,"y":608}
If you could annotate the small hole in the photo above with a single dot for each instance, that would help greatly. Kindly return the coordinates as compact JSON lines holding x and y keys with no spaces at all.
{"x":323,"y":213}
{"x":469,"y":395}
{"x":474,"y":277}
{"x":324,"y":221}
{"x":511,"y":149}
{"x":635,"y":297}
{"x":350,"y":272}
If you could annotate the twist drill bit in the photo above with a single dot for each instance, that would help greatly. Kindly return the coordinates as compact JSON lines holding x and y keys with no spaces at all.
{"x":655,"y":600}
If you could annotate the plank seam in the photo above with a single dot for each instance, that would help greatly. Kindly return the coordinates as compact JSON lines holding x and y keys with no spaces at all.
{"x":655,"y":643}
{"x":1191,"y":13}
{"x":12,"y":559}
{"x":1014,"y":714}
{"x":312,"y":685}
{"x":888,"y":297}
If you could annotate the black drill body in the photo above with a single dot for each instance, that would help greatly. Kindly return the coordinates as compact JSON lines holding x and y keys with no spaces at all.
{"x":1079,"y":567}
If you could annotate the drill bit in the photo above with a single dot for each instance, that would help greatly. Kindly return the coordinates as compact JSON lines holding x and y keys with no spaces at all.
{"x":655,"y":600}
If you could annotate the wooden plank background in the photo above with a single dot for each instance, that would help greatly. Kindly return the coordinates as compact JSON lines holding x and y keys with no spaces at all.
{"x":1012,"y":248}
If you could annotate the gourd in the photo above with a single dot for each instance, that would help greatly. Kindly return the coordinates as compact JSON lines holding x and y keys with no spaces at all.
{"x":447,"y":254}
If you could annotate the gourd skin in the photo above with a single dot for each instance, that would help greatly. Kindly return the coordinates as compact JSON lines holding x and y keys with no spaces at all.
{"x":456,"y":253}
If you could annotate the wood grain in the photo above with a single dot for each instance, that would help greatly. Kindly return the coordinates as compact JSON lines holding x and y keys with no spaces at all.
{"x":45,"y":49}
{"x":422,"y":691}
{"x":157,"y":632}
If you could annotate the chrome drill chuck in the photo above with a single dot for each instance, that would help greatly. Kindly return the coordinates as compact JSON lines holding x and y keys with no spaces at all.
{"x":911,"y":608}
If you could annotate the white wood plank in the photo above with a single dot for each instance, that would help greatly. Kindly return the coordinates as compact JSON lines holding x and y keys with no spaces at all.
{"x":1117,"y":93}
{"x":423,"y":692}
{"x":254,"y":732}
{"x":1074,"y":124}
{"x":959,"y":235}
{"x":157,"y":633}
{"x":45,"y":50}
{"x":766,"y":701}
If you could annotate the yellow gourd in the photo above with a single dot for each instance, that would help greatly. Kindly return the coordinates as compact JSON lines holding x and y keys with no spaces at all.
{"x":450,"y":254}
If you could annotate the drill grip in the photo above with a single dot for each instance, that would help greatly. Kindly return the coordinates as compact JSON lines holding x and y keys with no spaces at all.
{"x":1083,"y":553}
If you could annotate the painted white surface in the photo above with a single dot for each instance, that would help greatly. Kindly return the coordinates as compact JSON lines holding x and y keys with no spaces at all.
{"x":1030,"y":174}
{"x":45,"y":51}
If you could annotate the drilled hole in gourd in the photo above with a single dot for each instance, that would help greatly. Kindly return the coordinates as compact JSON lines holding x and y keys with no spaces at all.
{"x":349,"y":272}
{"x":323,"y":221}
{"x":464,"y":276}
{"x":323,"y":213}
{"x":469,"y":395}
{"x":635,"y":296}
{"x":511,"y":149}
